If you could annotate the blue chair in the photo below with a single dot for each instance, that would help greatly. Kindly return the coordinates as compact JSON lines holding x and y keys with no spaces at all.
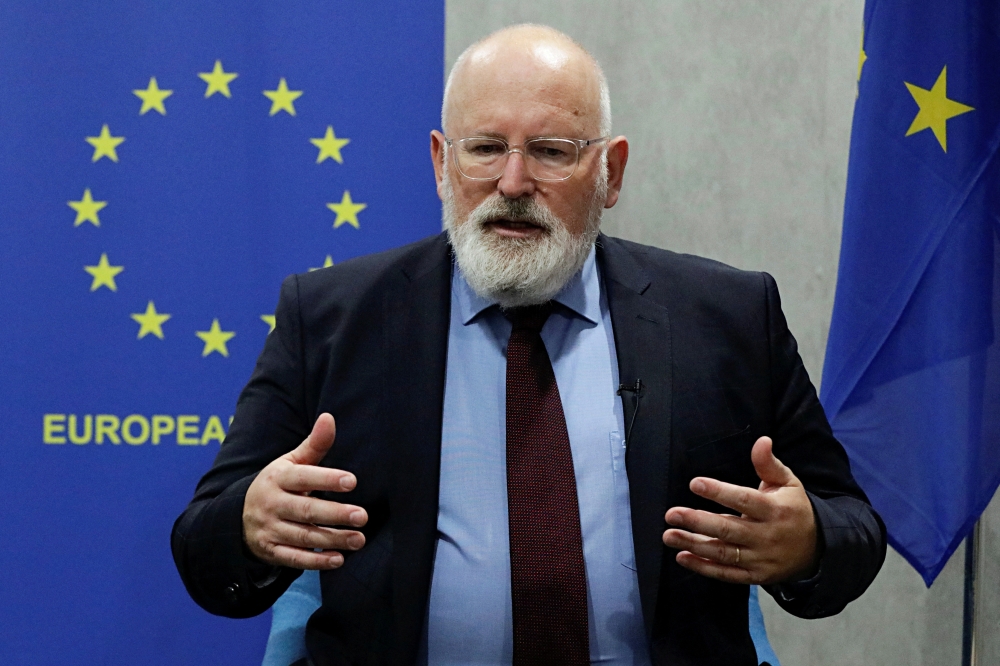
{"x":287,"y":642}
{"x":765,"y":654}
{"x":286,"y":645}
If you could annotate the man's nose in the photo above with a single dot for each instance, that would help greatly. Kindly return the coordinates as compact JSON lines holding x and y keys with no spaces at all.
{"x":515,"y":181}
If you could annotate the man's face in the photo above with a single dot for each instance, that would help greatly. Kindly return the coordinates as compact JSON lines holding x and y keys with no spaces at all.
{"x":518,"y":96}
{"x":518,"y":239}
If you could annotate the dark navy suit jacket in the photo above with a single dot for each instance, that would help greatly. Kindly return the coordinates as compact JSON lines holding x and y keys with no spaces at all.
{"x":367,"y":341}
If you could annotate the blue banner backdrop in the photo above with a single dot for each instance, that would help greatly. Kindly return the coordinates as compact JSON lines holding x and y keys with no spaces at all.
{"x":911,"y":381}
{"x":163,"y":166}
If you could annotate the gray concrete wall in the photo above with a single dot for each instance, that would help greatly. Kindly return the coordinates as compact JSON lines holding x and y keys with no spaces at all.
{"x":738,"y":114}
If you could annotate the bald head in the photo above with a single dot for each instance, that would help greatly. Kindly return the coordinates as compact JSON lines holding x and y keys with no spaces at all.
{"x":520,"y":235}
{"x":541,"y":63}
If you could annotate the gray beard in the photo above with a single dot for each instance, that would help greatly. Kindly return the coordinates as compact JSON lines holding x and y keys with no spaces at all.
{"x":516,"y":272}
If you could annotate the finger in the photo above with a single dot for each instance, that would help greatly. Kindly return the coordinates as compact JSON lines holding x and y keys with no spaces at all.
{"x":705,"y":547}
{"x":728,"y":528}
{"x":306,"y":478}
{"x":749,"y":501}
{"x":314,"y":447}
{"x":303,"y":558}
{"x":723,"y":572}
{"x":769,"y":468}
{"x":315,"y":511}
{"x":315,"y":536}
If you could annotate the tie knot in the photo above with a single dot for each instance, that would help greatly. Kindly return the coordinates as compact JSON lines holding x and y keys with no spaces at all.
{"x":531,"y":317}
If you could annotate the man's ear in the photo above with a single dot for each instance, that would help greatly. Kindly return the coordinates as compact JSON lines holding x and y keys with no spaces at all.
{"x":437,"y":157}
{"x":617,"y":158}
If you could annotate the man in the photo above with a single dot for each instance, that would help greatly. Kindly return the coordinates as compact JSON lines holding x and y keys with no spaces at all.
{"x":485,"y":494}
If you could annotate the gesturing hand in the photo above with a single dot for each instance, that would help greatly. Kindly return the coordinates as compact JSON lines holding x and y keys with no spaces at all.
{"x":773,"y":541}
{"x":283,"y":525}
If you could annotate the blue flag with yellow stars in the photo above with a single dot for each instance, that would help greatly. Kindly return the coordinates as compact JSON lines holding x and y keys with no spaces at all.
{"x":163,"y":166}
{"x":911,"y":381}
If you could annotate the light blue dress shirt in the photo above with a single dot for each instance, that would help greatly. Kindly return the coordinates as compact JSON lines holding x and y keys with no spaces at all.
{"x":469,"y":617}
{"x":469,"y":620}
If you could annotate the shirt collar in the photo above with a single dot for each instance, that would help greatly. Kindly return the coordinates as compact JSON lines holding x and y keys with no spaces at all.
{"x":581,"y":295}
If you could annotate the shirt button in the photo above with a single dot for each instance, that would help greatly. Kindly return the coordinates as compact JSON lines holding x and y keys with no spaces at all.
{"x":233,"y":593}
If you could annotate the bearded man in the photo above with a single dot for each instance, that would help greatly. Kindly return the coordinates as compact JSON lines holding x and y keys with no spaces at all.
{"x":552,"y":447}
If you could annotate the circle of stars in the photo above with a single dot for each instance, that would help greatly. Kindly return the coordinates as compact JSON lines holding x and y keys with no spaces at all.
{"x":105,"y":145}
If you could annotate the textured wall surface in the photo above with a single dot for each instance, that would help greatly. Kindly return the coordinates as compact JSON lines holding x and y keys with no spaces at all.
{"x":738,"y":116}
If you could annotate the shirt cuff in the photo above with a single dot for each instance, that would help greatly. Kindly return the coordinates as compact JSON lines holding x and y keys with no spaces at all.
{"x":260,"y":573}
{"x":799,"y":588}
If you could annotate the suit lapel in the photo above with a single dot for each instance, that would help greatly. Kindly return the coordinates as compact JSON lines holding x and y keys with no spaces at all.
{"x":415,"y":326}
{"x":643,"y":343}
{"x":416,"y":312}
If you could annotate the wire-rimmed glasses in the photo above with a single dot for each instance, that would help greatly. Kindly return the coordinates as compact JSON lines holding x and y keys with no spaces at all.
{"x":546,"y":158}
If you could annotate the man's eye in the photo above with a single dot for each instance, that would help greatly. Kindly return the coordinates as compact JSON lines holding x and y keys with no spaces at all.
{"x":550,"y":151}
{"x":485,"y":149}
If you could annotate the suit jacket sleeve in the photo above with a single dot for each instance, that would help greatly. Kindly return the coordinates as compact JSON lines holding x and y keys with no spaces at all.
{"x":851,"y":535}
{"x":220,"y":573}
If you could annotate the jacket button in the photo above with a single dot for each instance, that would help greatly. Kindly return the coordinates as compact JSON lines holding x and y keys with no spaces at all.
{"x":233,"y":593}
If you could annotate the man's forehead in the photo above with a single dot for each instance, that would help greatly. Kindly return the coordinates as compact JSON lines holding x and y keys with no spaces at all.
{"x":513,"y":121}
{"x":540,"y":50}
{"x":528,"y":54}
{"x":543,"y":73}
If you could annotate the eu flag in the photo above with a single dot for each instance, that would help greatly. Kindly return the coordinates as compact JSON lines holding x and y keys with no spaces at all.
{"x":162,"y":167}
{"x":912,"y":376}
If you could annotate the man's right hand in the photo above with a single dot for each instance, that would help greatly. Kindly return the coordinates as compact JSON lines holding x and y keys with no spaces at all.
{"x":283,"y":525}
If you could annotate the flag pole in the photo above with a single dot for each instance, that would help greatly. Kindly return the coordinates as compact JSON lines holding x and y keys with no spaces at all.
{"x":972,"y":545}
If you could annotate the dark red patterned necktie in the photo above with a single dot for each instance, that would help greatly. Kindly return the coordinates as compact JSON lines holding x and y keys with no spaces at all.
{"x":548,"y":580}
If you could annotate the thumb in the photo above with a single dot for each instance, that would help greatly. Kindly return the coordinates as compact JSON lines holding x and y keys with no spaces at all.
{"x":770,"y":470}
{"x":314,"y":447}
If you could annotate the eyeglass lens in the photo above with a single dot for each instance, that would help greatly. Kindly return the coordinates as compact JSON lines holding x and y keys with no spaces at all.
{"x":546,"y":159}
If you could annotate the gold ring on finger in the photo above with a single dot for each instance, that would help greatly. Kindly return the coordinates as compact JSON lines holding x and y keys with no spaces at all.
{"x":737,"y":554}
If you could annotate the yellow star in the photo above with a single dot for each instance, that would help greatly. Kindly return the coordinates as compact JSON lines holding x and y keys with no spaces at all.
{"x":269,"y":320}
{"x":87,"y":209}
{"x":326,"y":263}
{"x":329,"y":146}
{"x":282,"y":98}
{"x":347,"y":211}
{"x":862,"y":56}
{"x":152,"y":97}
{"x":150,"y":322}
{"x":104,"y":274}
{"x":215,"y":339}
{"x":935,"y":109}
{"x":105,"y":144}
{"x":218,"y":80}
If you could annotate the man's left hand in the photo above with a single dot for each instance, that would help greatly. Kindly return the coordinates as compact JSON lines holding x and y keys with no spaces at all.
{"x":773,"y":541}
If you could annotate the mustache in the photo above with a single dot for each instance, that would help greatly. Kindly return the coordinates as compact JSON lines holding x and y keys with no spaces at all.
{"x":522,"y":209}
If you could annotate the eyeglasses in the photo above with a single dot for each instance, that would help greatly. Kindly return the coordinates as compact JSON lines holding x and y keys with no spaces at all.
{"x":546,"y":158}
